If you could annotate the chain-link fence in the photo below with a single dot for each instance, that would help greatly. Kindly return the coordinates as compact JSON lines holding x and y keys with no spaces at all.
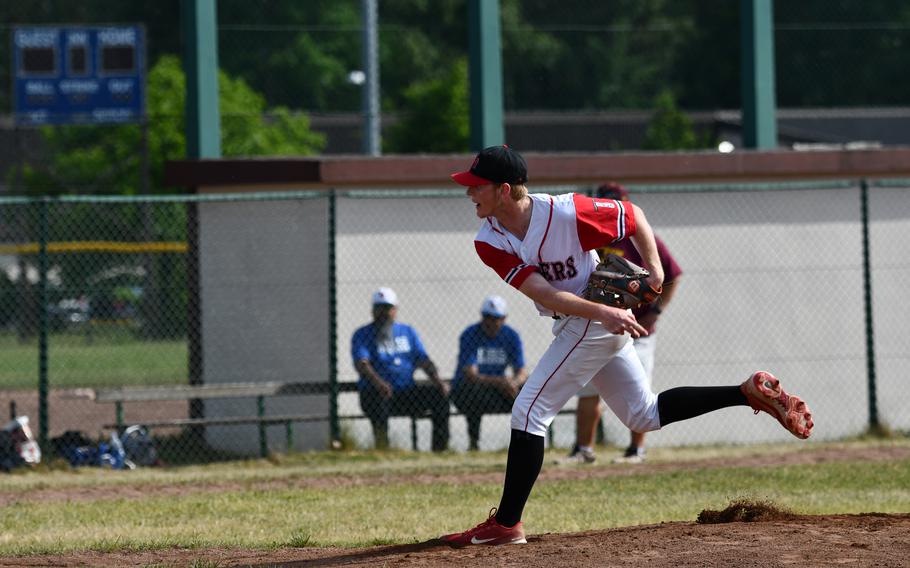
{"x":226,"y":324}
{"x":94,"y":295}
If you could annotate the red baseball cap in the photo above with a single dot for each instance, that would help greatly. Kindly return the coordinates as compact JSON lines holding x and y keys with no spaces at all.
{"x":496,"y":164}
{"x":612,"y":190}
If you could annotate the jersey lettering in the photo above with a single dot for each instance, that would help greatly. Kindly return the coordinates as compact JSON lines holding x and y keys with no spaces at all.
{"x":492,"y":356}
{"x":570,"y":264}
{"x":400,"y":345}
{"x":545,"y":271}
{"x":601,"y":204}
{"x":558,"y":271}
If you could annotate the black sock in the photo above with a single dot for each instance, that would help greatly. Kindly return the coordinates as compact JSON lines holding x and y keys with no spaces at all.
{"x":683,"y":403}
{"x":523,"y":466}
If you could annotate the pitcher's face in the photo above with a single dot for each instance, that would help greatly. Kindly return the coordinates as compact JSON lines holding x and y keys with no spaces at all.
{"x":486,"y":198}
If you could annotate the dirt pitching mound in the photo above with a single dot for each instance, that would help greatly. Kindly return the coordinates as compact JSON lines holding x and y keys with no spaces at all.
{"x":745,"y":511}
{"x":772,"y":538}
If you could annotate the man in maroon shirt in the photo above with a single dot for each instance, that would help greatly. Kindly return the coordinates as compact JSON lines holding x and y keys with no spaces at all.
{"x":587,"y":414}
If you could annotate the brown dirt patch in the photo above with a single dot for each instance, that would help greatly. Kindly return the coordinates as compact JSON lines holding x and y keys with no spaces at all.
{"x":74,"y":409}
{"x":747,"y":511}
{"x":856,"y":540}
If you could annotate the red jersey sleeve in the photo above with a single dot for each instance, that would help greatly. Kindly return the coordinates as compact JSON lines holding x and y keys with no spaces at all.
{"x":602,"y":221}
{"x":509,"y":267}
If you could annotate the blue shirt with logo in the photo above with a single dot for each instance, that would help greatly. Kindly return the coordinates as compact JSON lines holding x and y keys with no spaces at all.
{"x":491,"y":354}
{"x":393,"y":360}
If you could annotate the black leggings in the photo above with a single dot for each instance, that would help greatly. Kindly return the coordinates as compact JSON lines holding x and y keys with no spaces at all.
{"x":682,"y":403}
{"x":414,"y":401}
{"x":474,"y":401}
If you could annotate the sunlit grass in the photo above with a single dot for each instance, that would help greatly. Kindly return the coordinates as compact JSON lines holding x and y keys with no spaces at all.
{"x":105,"y":360}
{"x":385,"y":508}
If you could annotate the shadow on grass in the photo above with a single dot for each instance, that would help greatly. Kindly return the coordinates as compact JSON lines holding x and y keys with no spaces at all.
{"x":190,"y":448}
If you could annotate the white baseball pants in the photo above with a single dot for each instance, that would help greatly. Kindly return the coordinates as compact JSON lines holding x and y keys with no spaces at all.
{"x":584,"y":351}
{"x":645,"y":347}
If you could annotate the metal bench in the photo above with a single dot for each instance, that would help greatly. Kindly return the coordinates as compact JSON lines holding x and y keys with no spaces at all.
{"x":259,"y":391}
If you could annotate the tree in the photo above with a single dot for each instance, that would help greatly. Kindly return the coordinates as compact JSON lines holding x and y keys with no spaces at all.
{"x":589,"y":55}
{"x":612,"y":54}
{"x":841,"y":53}
{"x":438,"y":118}
{"x":705,"y":71}
{"x":298,"y":54}
{"x":670,"y":129}
{"x":107,"y":159}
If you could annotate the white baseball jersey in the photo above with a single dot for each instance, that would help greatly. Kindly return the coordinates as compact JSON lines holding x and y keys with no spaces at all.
{"x":565,"y":230}
{"x":560,"y":244}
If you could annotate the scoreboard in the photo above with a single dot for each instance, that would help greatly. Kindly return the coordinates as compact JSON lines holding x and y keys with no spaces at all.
{"x":78,"y":75}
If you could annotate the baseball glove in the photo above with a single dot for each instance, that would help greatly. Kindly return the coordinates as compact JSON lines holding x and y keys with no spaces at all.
{"x":619,"y":283}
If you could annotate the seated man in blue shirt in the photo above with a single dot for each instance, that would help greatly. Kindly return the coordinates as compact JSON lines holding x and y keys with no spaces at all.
{"x":385,"y":354}
{"x":486,"y":349}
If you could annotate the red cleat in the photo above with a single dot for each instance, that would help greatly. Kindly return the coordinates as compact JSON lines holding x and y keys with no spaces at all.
{"x":763,"y":391}
{"x":488,"y":532}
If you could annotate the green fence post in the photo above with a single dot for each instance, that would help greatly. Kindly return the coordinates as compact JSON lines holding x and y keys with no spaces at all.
{"x":334,"y":427}
{"x":199,"y":23}
{"x":260,"y":412}
{"x":874,"y":424}
{"x":200,"y":64}
{"x":759,"y":108}
{"x":485,"y":71}
{"x":42,"y":325}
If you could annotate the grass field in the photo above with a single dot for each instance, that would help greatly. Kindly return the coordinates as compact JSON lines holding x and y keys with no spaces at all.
{"x":107,"y":359}
{"x":364,"y":498}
